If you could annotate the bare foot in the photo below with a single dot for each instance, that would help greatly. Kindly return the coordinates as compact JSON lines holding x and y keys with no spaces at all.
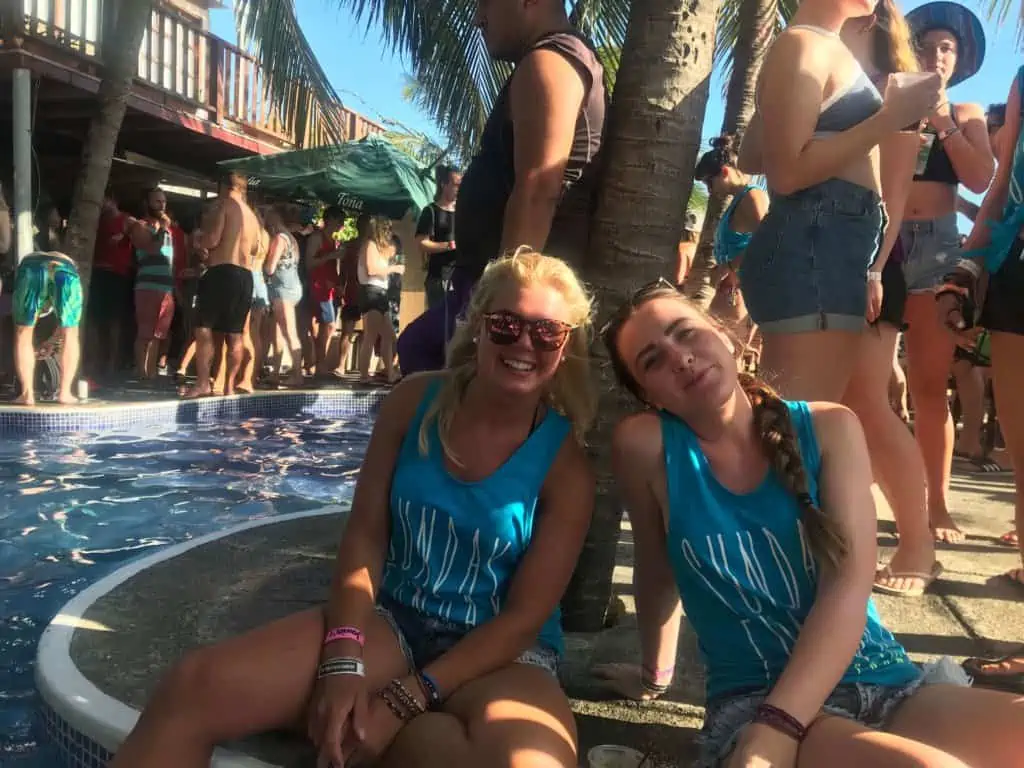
{"x":194,"y":392}
{"x":25,"y":399}
{"x":1013,"y":665}
{"x":66,"y":398}
{"x":944,"y":528}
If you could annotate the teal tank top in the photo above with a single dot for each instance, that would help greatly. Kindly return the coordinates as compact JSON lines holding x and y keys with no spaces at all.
{"x":456,"y":545}
{"x":156,"y":270}
{"x":728,"y":243}
{"x":1005,"y":231}
{"x":746,"y":574}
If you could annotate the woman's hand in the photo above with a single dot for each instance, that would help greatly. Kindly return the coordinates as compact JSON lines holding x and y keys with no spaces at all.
{"x":337,"y":711}
{"x":876,"y":295}
{"x":382,"y":726}
{"x":908,"y":100}
{"x":625,"y":680}
{"x":762,"y":747}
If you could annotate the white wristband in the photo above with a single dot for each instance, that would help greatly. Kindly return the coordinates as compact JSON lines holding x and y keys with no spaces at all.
{"x":874,"y":277}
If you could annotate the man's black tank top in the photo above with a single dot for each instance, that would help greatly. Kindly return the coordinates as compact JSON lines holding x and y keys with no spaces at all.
{"x":487,"y":183}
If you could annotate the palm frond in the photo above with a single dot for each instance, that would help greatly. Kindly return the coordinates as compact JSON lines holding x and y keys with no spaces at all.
{"x":729,"y":14}
{"x":295,"y":81}
{"x":457,"y":81}
{"x":604,"y":23}
{"x":999,"y":10}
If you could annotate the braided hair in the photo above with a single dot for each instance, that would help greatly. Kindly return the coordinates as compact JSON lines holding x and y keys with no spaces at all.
{"x":782,"y":448}
{"x":772,"y":421}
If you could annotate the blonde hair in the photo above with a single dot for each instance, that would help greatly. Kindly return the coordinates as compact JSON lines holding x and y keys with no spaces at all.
{"x":772,"y":421}
{"x":379,"y":231}
{"x":893,"y":44}
{"x":570,"y":392}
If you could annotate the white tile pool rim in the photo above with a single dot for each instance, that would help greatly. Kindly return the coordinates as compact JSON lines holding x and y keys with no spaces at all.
{"x":75,"y":699}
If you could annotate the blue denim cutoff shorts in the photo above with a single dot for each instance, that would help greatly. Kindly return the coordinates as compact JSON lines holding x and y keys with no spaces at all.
{"x":425,"y":638}
{"x":806,"y":266}
{"x":931,"y":250}
{"x":871,"y":705}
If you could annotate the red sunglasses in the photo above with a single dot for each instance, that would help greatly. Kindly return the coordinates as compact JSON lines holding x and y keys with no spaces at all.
{"x":505,"y":327}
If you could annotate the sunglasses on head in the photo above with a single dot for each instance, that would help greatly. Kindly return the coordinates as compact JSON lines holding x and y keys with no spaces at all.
{"x":505,"y":327}
{"x":638,"y":296}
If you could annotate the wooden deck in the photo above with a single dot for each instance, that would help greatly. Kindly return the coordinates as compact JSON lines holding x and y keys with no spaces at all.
{"x":187,"y":78}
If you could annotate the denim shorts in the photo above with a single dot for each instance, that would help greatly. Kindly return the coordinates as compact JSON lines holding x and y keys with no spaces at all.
{"x":424,"y":638}
{"x":931,"y":250}
{"x":806,"y":266}
{"x":871,"y":705}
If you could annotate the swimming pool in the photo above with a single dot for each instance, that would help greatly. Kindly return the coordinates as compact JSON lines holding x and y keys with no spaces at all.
{"x":74,"y":507}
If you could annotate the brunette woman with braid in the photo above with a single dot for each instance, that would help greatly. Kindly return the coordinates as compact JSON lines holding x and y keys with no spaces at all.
{"x":751,"y":508}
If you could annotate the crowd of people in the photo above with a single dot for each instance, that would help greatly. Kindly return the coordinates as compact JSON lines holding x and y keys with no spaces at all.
{"x":747,"y":492}
{"x":239,"y":297}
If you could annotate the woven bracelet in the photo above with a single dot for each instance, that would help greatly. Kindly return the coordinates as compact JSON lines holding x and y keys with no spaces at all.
{"x":343,"y":665}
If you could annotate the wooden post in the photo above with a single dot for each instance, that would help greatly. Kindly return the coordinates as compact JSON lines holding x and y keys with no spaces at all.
{"x":215,"y":63}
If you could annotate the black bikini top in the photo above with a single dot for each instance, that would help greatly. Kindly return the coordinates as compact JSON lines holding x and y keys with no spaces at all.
{"x":939,"y":167}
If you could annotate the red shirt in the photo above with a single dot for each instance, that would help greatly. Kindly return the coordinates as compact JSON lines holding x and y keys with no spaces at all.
{"x":323,"y":278}
{"x":113,"y":246}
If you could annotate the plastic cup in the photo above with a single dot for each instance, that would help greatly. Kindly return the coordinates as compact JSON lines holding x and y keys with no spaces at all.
{"x":614,"y":756}
{"x":907,"y":79}
{"x":927,"y":140}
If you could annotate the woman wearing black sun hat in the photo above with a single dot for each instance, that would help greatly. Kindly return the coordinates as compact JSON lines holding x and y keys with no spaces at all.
{"x":955,"y":150}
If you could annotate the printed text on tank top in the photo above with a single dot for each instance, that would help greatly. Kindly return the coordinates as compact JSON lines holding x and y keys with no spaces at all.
{"x":746,"y":572}
{"x":455,"y":543}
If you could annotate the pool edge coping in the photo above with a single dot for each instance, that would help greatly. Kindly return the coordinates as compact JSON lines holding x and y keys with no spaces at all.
{"x":76,"y":699}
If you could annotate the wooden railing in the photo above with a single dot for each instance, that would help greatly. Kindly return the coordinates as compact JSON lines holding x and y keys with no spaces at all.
{"x":224,"y":83}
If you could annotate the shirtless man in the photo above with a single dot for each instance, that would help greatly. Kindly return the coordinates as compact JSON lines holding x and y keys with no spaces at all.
{"x":231,"y":235}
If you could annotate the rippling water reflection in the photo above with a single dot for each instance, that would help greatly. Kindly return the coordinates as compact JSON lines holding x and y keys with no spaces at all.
{"x":73,"y":508}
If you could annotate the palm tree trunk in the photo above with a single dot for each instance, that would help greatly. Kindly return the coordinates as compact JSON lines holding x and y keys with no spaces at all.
{"x":754,"y":36}
{"x":650,"y":148}
{"x":120,"y":63}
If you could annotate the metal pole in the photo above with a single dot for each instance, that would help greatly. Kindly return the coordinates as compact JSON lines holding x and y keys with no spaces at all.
{"x":22,"y":113}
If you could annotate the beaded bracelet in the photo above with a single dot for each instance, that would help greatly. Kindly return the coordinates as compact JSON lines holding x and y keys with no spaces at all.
{"x":780,"y":720}
{"x":431,"y":689}
{"x":411,"y":704}
{"x":393,"y":705}
{"x":342,"y":665}
{"x":345,"y":633}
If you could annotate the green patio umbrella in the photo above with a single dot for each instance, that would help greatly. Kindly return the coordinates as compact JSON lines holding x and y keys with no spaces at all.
{"x":370,"y":175}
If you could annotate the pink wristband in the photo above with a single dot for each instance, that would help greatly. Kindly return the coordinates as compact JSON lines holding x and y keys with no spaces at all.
{"x":345,"y":633}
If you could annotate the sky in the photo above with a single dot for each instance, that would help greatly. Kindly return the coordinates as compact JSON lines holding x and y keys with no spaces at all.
{"x":370,"y":78}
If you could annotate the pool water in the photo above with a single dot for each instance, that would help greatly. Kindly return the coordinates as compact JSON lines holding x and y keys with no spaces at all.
{"x":73,"y":508}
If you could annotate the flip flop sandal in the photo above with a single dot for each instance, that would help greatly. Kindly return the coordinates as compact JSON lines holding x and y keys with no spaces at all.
{"x":1011,"y":682}
{"x":927,"y":579}
{"x":1007,"y":540}
{"x":981,"y":465}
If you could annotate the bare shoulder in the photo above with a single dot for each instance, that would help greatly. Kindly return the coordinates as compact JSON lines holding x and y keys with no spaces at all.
{"x":835,"y":424}
{"x":571,"y":474}
{"x":400,"y":404}
{"x":637,"y":440}
{"x":967,"y":112}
